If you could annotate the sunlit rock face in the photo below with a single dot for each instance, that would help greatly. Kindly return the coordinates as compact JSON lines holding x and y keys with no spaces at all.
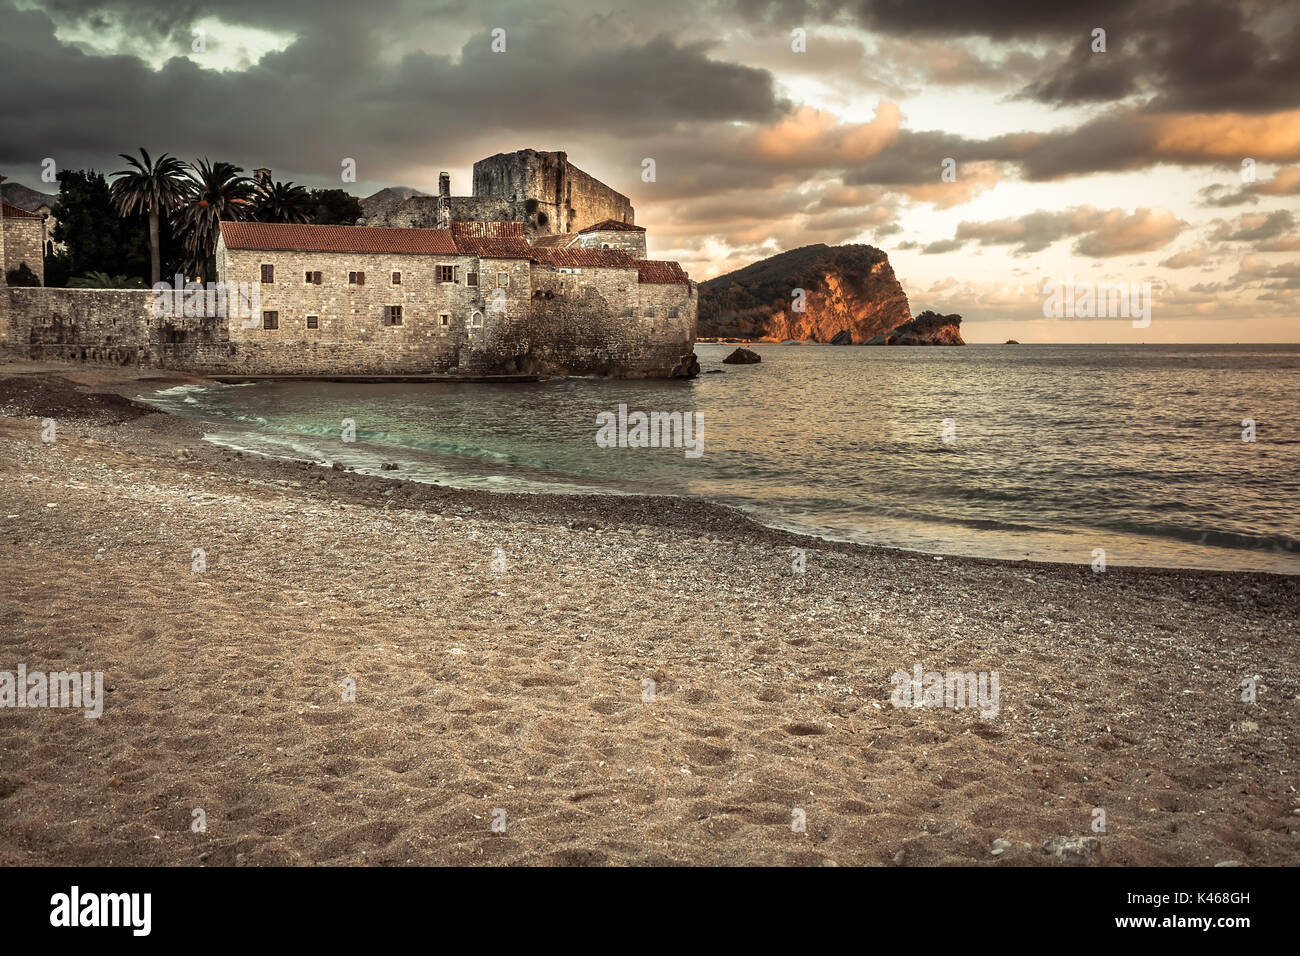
{"x":845,"y":289}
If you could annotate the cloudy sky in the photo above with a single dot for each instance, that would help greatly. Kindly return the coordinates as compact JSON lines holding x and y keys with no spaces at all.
{"x":1173,"y":157}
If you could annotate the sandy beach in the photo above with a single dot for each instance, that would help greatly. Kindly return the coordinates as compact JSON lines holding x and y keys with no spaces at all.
{"x":500,"y":648}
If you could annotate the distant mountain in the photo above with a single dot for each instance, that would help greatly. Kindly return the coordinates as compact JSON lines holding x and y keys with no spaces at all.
{"x":850,"y":295}
{"x":16,"y":194}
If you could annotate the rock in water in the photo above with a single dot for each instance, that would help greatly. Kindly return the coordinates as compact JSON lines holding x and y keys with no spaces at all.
{"x":1012,"y":342}
{"x":742,"y":356}
{"x":688,"y":366}
{"x":928,"y":328}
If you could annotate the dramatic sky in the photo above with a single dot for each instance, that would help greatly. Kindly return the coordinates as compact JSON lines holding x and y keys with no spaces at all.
{"x":1116,"y":166}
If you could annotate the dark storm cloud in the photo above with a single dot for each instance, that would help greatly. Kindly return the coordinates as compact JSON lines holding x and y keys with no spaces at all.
{"x":339,"y":91}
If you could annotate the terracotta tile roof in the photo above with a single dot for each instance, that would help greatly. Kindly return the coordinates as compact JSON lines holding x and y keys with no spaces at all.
{"x":292,"y":237}
{"x":612,"y":225}
{"x":660,"y":272}
{"x":515,"y":247}
{"x":584,"y":258}
{"x":13,"y":212}
{"x":488,"y":230}
{"x":554,"y":242}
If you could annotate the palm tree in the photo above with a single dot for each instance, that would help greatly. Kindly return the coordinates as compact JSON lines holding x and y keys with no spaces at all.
{"x":217,"y":191}
{"x":284,"y":202}
{"x":102,"y":280}
{"x":154,"y":188}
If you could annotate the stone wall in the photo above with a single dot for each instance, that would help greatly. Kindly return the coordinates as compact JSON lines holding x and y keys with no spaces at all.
{"x":631,"y":242}
{"x":24,"y":241}
{"x":115,"y":326}
{"x":569,"y":197}
{"x":353,"y":335}
{"x":544,"y":320}
{"x":593,"y":322}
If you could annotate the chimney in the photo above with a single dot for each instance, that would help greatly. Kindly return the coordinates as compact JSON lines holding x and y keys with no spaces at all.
{"x":444,"y":184}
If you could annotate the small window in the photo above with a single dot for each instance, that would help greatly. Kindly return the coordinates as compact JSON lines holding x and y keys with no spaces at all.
{"x":476,"y":320}
{"x":397,"y":278}
{"x":444,"y":318}
{"x":675,"y":313}
{"x":393,"y":315}
{"x":471,"y":278}
{"x":313,"y":322}
{"x":315,"y":278}
{"x":307,"y":277}
{"x":270,"y":320}
{"x":356,"y":278}
{"x":628,"y":312}
{"x":503,"y":280}
{"x":268,"y":273}
{"x":649,"y":311}
{"x":352,"y":278}
{"x":446,"y":273}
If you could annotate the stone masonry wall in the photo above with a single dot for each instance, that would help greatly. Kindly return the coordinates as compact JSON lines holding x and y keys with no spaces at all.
{"x":594,"y":322}
{"x":24,"y":241}
{"x":633,"y":243}
{"x":352,"y":336}
{"x":571,"y":199}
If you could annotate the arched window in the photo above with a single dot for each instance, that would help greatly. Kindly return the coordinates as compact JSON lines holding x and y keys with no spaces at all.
{"x":476,"y":320}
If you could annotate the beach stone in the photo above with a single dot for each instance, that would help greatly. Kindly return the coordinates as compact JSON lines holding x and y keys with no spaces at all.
{"x":1076,"y":851}
{"x":1229,"y":863}
{"x":842,"y":337}
{"x":742,"y":356}
{"x":388,"y":466}
{"x":1001,"y":846}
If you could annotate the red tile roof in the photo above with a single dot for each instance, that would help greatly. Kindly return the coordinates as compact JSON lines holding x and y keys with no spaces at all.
{"x":660,"y":272}
{"x":584,"y":258}
{"x":554,"y":242}
{"x":291,"y":237}
{"x":504,"y":248}
{"x":488,"y":230}
{"x":612,"y":225}
{"x":13,"y":212}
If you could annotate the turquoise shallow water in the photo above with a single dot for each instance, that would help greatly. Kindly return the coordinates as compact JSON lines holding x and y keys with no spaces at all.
{"x":1056,"y":450}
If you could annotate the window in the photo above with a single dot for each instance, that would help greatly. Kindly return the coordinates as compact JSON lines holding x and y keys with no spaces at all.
{"x":446,"y":273}
{"x":627,"y":312}
{"x":649,"y":311}
{"x":471,"y":278}
{"x":313,"y":322}
{"x":503,"y":280}
{"x":675,"y":313}
{"x":270,"y":320}
{"x":393,"y":315}
{"x":268,"y":273}
{"x":356,"y":278}
{"x":311,"y":278}
{"x":397,"y":278}
{"x":444,"y":318}
{"x":476,"y":320}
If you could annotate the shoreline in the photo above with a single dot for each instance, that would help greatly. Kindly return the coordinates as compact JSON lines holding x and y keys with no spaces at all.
{"x":523,"y":688}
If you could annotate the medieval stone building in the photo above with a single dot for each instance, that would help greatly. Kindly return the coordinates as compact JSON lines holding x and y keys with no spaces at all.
{"x":472,"y":297}
{"x":542,"y":190}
